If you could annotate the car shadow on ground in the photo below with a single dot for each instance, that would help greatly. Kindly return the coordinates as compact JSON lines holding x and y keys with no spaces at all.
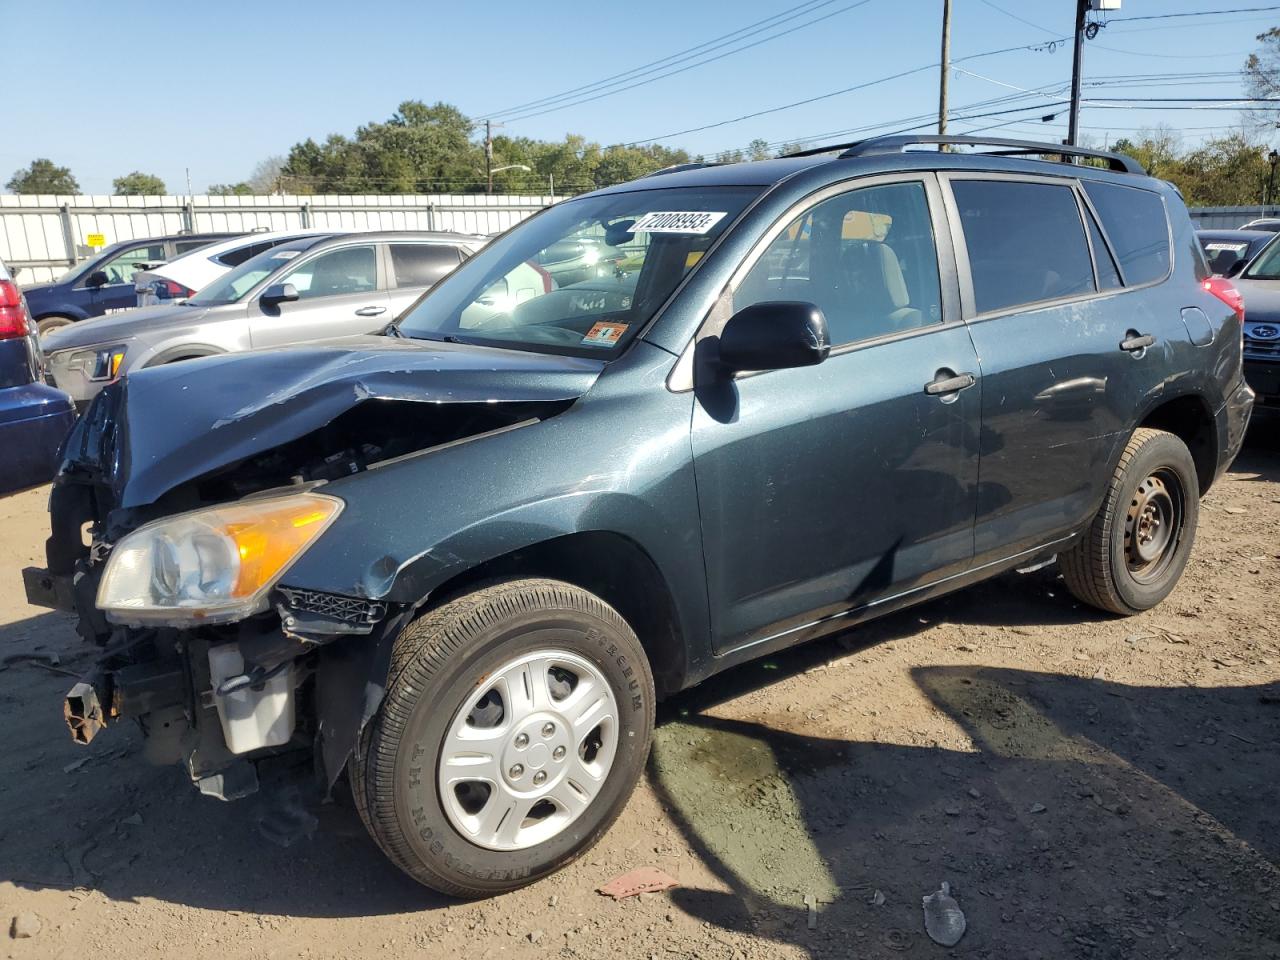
{"x":1160,"y":785}
{"x":1089,"y":819}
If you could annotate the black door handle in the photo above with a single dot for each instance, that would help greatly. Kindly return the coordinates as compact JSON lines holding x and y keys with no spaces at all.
{"x":953,"y":384}
{"x":1135,"y":343}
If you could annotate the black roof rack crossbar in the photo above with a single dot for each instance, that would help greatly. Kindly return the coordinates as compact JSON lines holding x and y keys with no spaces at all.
{"x":898,"y":143}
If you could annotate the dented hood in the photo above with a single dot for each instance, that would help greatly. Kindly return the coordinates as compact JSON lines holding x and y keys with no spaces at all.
{"x":164,"y":426}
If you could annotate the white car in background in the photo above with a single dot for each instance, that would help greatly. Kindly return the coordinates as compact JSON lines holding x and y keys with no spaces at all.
{"x":184,"y":276}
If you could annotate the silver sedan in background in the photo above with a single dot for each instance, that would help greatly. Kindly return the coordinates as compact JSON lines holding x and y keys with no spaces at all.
{"x":311,"y":288}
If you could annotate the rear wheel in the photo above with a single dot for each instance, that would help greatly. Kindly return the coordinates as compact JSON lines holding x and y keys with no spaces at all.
{"x":51,"y":323}
{"x":1133,"y":553}
{"x":516,"y":723}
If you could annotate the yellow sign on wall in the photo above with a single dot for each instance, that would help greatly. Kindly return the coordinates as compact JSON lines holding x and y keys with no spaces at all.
{"x":96,"y":240}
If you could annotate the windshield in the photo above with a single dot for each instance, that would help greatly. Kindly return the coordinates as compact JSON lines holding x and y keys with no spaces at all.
{"x":1266,"y":266}
{"x":581,"y":279}
{"x":233,"y":285}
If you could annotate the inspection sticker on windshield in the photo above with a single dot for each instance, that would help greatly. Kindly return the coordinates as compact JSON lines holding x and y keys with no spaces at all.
{"x":605,"y":334}
{"x":677,"y":221}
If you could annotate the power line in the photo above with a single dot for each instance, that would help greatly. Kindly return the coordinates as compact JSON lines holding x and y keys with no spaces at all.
{"x":799,"y":9}
{"x":628,"y":86}
{"x":1009,"y":13}
{"x":1193,"y":13}
{"x":823,"y":96}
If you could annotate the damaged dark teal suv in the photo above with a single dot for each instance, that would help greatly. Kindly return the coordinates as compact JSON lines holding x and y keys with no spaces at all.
{"x":458,"y":562}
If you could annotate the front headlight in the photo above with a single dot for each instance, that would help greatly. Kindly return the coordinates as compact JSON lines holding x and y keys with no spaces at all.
{"x":213,"y":565}
{"x":100,"y":364}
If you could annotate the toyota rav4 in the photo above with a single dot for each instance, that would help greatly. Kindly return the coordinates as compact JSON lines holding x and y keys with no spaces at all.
{"x":456,"y":563}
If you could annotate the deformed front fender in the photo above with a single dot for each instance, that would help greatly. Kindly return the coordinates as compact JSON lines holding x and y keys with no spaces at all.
{"x":619,"y":461}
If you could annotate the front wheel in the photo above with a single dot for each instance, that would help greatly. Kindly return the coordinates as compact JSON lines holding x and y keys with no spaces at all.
{"x":1133,"y":553}
{"x":515,"y":725}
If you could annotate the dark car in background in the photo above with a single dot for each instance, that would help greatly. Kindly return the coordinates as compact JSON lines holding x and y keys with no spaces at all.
{"x":34,"y":417}
{"x":459,"y":562}
{"x":1268,"y":224}
{"x":1259,"y":285}
{"x":1229,"y":251}
{"x":106,"y":282}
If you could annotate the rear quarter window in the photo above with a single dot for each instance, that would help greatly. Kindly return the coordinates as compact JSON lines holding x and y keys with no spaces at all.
{"x":1138,"y":227}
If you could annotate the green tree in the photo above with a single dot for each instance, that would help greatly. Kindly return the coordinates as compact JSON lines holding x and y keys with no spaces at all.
{"x":434,"y":149}
{"x":1156,"y":148}
{"x":419,"y":149}
{"x":43,"y":176}
{"x":1223,"y":172}
{"x":240,"y":189}
{"x":138,"y":184}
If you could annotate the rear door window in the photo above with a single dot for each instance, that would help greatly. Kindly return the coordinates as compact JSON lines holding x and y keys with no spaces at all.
{"x":422,"y":264}
{"x":1025,"y":240}
{"x":1108,"y":275}
{"x":1138,"y":228}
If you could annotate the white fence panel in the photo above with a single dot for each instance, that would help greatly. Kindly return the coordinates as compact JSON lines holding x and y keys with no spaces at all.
{"x":43,"y":236}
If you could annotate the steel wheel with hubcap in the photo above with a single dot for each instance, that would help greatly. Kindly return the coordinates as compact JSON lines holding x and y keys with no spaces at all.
{"x":528,"y":752}
{"x":1132,"y":554}
{"x":516,"y":722}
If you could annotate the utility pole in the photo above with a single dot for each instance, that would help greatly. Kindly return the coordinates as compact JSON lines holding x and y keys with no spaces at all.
{"x":946,"y":67}
{"x":488,"y":155}
{"x":1073,"y":125}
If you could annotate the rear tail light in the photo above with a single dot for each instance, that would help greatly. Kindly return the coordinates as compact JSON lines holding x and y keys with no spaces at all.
{"x":14,"y":321}
{"x":1226,"y":291}
{"x":171,"y":290}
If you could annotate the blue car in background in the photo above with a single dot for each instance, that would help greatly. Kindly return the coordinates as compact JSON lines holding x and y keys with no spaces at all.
{"x":105,"y":283}
{"x":34,"y":417}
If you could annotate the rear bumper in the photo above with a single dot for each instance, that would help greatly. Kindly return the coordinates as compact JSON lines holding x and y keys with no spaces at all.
{"x":34,"y":420}
{"x":1232,"y":422}
{"x":1264,"y":377}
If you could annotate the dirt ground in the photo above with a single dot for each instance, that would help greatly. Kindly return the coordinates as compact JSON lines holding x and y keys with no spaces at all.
{"x":1090,"y":787}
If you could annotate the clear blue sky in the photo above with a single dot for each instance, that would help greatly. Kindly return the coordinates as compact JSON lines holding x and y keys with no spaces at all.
{"x":110,"y":88}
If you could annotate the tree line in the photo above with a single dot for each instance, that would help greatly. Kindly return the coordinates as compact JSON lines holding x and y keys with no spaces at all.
{"x":436,"y":148}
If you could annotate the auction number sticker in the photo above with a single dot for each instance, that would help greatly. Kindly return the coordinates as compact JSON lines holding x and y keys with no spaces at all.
{"x":605,"y":334}
{"x":677,"y":221}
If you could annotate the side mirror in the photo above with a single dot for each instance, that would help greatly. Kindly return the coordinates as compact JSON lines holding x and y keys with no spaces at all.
{"x":773,"y":336}
{"x":98,"y":278}
{"x":1236,"y":268}
{"x":279,"y":293}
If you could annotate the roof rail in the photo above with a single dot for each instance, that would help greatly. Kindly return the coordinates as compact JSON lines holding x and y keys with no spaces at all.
{"x":898,"y":143}
{"x":677,"y":167}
